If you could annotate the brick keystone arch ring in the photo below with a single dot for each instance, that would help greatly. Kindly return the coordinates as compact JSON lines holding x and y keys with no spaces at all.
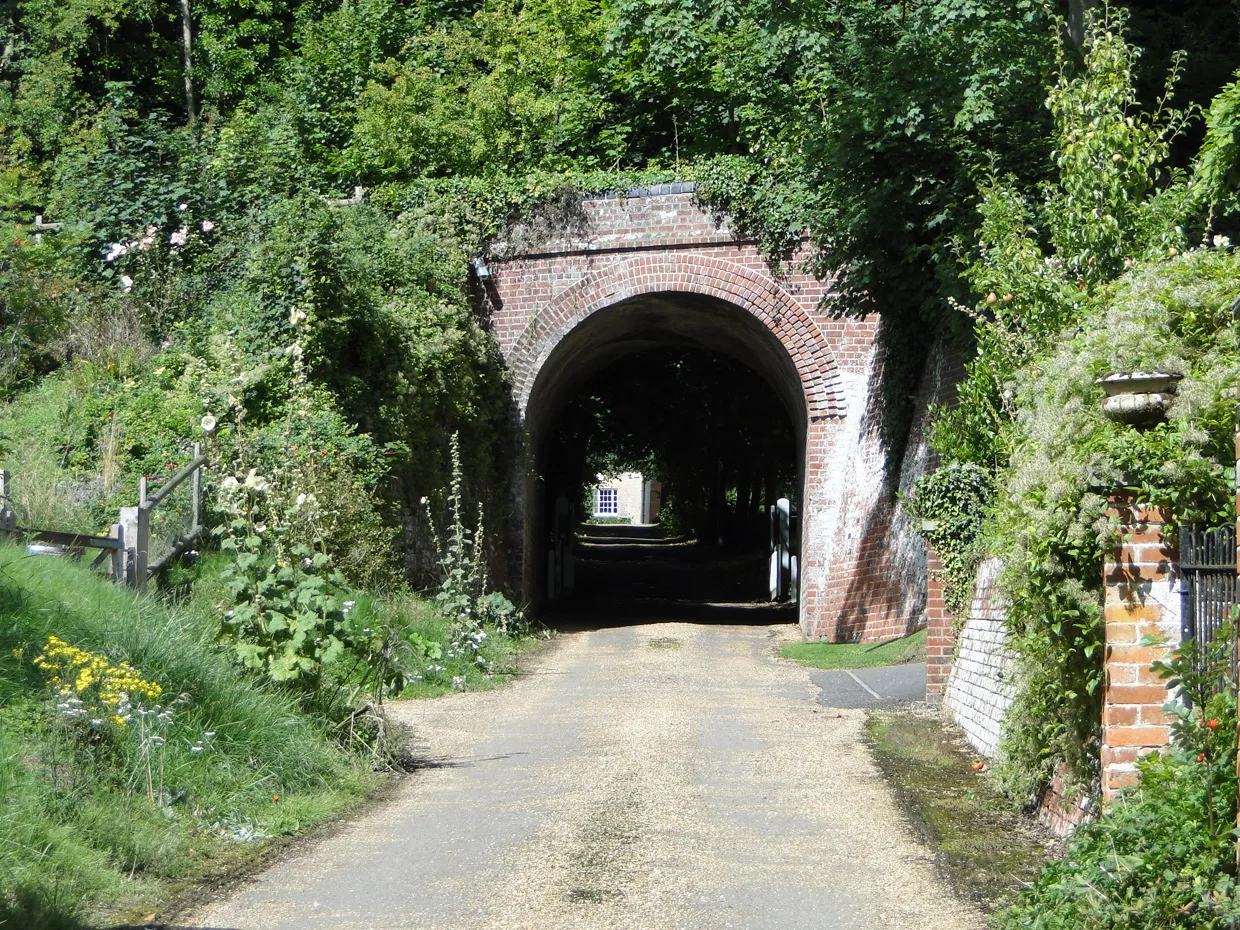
{"x":761,"y":297}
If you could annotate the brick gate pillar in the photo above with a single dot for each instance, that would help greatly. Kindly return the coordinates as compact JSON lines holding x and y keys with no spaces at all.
{"x":940,"y":641}
{"x":1142,"y":599}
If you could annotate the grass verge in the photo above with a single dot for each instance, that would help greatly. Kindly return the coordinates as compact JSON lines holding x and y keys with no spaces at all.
{"x":104,"y":820}
{"x":859,"y":655}
{"x":988,"y":850}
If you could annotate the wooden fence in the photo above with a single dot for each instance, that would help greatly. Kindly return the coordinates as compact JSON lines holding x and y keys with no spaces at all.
{"x":128,"y":543}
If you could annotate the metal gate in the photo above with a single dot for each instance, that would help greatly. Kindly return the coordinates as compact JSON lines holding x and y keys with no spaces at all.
{"x":1208,"y":566}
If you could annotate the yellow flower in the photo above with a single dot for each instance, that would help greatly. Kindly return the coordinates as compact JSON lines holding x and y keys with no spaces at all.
{"x":95,"y":681}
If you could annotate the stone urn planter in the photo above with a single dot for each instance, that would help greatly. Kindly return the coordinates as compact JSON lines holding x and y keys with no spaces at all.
{"x":1138,"y":397}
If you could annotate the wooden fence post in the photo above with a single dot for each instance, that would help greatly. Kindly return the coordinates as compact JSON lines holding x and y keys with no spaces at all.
{"x":8,"y":517}
{"x":117,"y":568}
{"x":196,"y":491}
{"x":128,"y":535}
{"x":142,"y":539}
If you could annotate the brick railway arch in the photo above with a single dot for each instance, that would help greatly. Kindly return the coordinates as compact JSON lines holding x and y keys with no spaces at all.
{"x":805,"y":348}
{"x":653,"y":268}
{"x":654,"y":301}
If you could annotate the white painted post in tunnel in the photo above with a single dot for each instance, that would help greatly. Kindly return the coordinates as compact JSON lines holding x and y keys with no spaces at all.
{"x":560,"y":553}
{"x":782,"y":567}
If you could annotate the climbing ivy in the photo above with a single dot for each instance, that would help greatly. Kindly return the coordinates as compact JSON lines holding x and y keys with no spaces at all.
{"x":952,"y":503}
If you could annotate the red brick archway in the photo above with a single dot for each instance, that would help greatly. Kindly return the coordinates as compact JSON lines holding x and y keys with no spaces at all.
{"x":676,"y":273}
{"x":545,"y":295}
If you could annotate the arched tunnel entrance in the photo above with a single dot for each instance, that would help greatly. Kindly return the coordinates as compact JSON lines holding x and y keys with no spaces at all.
{"x":655,"y":270}
{"x":692,"y":392}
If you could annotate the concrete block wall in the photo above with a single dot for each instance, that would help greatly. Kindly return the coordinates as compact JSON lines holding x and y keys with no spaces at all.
{"x":980,"y":685}
{"x":980,"y":688}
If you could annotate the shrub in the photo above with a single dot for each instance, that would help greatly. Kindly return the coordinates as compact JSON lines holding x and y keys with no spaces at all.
{"x":1050,"y":525}
{"x":1164,"y":855}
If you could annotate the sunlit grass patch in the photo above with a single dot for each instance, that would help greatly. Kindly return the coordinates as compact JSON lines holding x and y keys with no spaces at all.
{"x":859,"y":655}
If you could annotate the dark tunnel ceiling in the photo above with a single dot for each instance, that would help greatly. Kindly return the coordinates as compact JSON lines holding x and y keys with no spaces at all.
{"x":656,"y":321}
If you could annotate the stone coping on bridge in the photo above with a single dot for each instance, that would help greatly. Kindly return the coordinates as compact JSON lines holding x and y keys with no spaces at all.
{"x":636,"y":193}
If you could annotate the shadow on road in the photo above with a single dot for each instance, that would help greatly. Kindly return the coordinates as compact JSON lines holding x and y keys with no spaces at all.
{"x":629,"y":575}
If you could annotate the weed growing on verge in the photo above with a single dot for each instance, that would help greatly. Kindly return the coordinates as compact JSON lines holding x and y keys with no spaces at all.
{"x":463,"y":598}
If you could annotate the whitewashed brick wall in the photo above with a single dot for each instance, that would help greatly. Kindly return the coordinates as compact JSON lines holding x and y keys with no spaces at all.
{"x":979,"y":691}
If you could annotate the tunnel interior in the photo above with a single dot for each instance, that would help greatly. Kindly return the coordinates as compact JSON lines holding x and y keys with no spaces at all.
{"x":697,"y":395}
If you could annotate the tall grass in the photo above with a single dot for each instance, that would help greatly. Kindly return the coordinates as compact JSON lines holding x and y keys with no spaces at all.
{"x":37,"y":432}
{"x":79,"y":833}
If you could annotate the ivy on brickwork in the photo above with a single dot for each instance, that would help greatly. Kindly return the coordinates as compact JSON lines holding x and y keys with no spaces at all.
{"x":951,"y":502}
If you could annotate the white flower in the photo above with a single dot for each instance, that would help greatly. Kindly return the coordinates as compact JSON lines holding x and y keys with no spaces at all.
{"x":208,"y":423}
{"x":231,"y":484}
{"x":182,"y":207}
{"x":349,"y":605}
{"x":207,"y":226}
{"x":179,"y":236}
{"x":296,"y":316}
{"x":115,"y":251}
{"x":126,"y":283}
{"x":423,"y":502}
{"x":195,"y":749}
{"x":1222,"y":242}
{"x":145,"y":243}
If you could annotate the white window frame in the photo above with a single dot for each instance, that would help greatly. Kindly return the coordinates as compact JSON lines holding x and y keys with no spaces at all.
{"x":604,"y":497}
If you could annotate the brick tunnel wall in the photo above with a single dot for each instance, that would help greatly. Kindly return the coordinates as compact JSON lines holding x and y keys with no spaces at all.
{"x":863,"y":569}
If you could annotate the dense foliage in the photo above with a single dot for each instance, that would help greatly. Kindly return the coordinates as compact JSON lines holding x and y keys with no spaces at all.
{"x":1164,"y":855}
{"x":1050,"y":525}
{"x":1089,"y":279}
{"x":262,"y":242}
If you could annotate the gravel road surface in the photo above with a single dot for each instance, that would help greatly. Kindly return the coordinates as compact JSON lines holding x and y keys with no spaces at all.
{"x":669,"y":775}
